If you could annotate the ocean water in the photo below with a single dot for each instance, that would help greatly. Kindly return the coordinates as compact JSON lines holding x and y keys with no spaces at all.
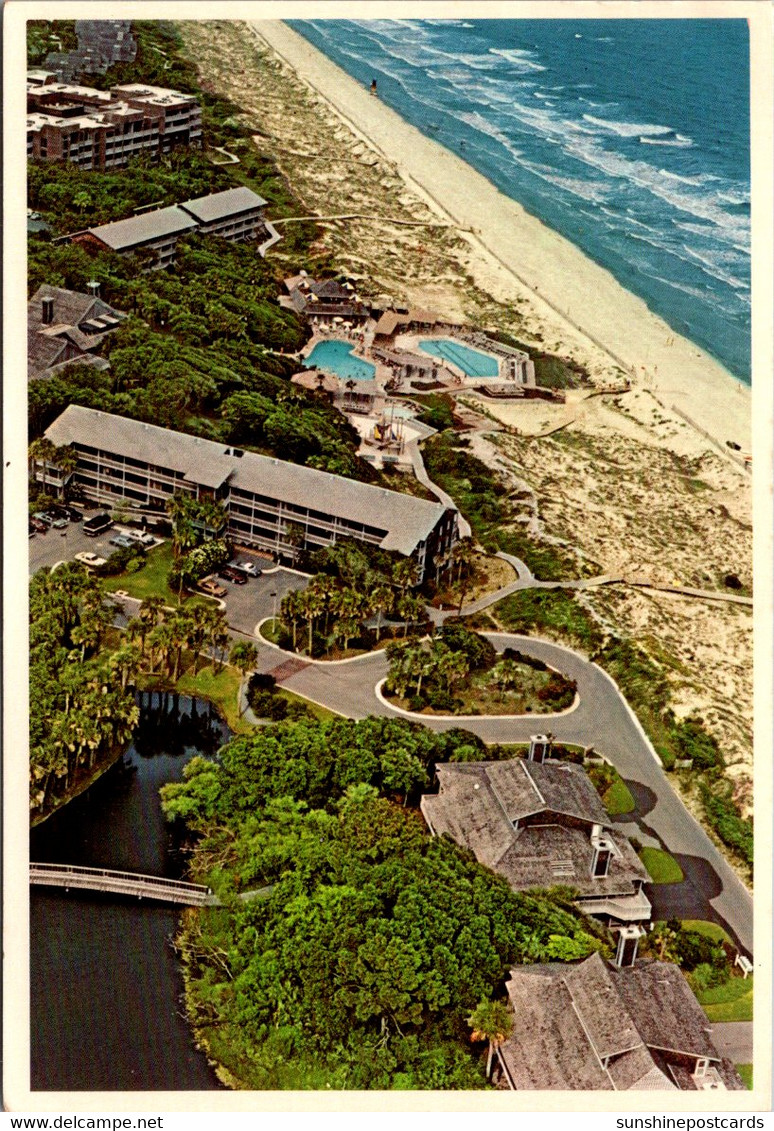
{"x":629,"y":137}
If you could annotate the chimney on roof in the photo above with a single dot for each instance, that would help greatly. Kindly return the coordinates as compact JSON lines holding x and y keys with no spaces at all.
{"x":603,"y":851}
{"x":539,"y":747}
{"x":628,"y":942}
{"x":48,"y":311}
{"x":93,"y":288}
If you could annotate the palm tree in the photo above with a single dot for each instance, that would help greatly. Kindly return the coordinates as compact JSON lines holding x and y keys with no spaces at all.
{"x":491,"y":1021}
{"x":463,"y":554}
{"x":244,"y":656}
{"x":126,"y":660}
{"x":405,"y":574}
{"x":507,"y":672}
{"x":180,"y":630}
{"x":291,"y":610}
{"x":382,"y":600}
{"x":40,"y":451}
{"x":198,"y":626}
{"x":217,"y":633}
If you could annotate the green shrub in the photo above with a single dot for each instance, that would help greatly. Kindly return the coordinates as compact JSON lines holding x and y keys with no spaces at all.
{"x":480,"y":652}
{"x":726,"y":820}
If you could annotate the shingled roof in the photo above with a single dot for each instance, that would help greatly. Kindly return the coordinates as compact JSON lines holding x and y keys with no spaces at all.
{"x":405,"y":520}
{"x":79,"y":323}
{"x":219,"y":205}
{"x":595,"y":1027}
{"x":478,"y":803}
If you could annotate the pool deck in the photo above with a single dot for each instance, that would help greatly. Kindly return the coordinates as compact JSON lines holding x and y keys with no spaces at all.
{"x":448,"y":376}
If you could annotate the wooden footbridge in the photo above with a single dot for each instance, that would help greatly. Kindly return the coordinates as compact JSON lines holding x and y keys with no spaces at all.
{"x":122,"y":883}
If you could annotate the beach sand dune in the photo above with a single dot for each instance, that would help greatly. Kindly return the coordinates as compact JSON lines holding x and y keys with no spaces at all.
{"x":575,"y":298}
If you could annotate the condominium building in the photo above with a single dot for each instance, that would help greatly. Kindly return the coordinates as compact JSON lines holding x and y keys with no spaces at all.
{"x":236,"y":214}
{"x":271,"y":504}
{"x":97,"y":129}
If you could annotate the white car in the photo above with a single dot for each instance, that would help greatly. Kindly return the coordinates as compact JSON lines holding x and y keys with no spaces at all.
{"x":141,"y":537}
{"x":249,"y":568}
{"x":91,"y":561}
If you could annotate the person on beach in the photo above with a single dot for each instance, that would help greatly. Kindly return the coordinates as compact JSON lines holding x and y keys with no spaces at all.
{"x":373,"y":86}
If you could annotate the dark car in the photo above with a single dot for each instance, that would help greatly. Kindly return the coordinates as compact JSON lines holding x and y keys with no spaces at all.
{"x":38,"y":526}
{"x":233,"y":575}
{"x":73,"y":514}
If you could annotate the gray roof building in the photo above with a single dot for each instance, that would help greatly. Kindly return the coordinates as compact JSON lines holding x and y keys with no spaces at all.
{"x":540,"y":825}
{"x":285,"y":492}
{"x":219,"y":205}
{"x":64,"y":327}
{"x":144,"y":230}
{"x":597,"y":1027}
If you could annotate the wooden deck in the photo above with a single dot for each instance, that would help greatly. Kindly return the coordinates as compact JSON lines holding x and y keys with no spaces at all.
{"x":122,"y":883}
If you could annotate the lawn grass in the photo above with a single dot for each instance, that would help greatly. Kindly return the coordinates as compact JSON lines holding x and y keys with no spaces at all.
{"x":151,"y":580}
{"x":746,"y":1072}
{"x":220,"y":688}
{"x":617,"y":798}
{"x":663,"y":868}
{"x":319,"y":712}
{"x":733,"y":1001}
{"x":710,"y":930}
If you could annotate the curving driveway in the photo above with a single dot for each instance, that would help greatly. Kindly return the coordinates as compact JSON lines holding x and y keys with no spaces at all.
{"x":602,"y":719}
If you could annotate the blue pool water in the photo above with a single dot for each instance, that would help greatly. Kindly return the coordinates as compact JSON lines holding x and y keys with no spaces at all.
{"x":470,"y":361}
{"x":628,"y":136}
{"x":335,"y":356}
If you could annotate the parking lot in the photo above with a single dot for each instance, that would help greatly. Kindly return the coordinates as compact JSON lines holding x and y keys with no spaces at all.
{"x":246,"y":605}
{"x":61,"y":545}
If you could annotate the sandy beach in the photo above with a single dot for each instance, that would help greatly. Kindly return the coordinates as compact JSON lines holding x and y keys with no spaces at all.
{"x":578,"y":303}
{"x":631,"y":484}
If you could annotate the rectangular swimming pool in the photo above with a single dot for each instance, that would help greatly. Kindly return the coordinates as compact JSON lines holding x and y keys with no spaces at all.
{"x":335,"y":356}
{"x":471,"y":362}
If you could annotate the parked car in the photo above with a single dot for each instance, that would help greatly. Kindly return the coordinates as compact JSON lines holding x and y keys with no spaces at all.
{"x":91,"y":561}
{"x":210,"y":586}
{"x":59,"y":524}
{"x":233,"y":575}
{"x":122,"y":540}
{"x":44,"y":518}
{"x":73,"y":514}
{"x":38,"y":526}
{"x":248,"y":568}
{"x":141,"y":537}
{"x":97,"y":524}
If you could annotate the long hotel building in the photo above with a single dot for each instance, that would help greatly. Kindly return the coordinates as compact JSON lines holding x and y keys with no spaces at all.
{"x":264,"y":498}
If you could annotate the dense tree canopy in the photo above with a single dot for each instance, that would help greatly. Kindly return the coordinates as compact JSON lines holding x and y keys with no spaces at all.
{"x":371,"y":942}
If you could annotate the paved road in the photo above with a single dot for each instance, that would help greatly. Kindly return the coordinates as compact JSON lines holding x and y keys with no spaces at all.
{"x":603,"y":720}
{"x":734,"y":1039}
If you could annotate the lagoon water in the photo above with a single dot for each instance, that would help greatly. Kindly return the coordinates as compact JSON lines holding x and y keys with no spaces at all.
{"x":629,"y":137}
{"x":105,"y":987}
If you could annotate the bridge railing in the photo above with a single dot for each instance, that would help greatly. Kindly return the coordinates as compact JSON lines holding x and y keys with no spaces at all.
{"x":119,"y":882}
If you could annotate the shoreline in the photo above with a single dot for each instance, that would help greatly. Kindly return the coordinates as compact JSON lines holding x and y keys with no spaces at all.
{"x":522,"y":256}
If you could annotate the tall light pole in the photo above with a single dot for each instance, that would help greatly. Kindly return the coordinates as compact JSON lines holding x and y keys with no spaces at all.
{"x":273,"y":596}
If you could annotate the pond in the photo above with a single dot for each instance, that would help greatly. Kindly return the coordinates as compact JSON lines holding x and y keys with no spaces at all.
{"x":106,"y":990}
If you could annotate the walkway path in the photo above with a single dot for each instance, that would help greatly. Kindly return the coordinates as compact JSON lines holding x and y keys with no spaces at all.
{"x":418,"y":464}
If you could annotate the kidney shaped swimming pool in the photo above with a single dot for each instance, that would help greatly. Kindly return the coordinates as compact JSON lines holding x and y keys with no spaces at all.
{"x":335,"y":356}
